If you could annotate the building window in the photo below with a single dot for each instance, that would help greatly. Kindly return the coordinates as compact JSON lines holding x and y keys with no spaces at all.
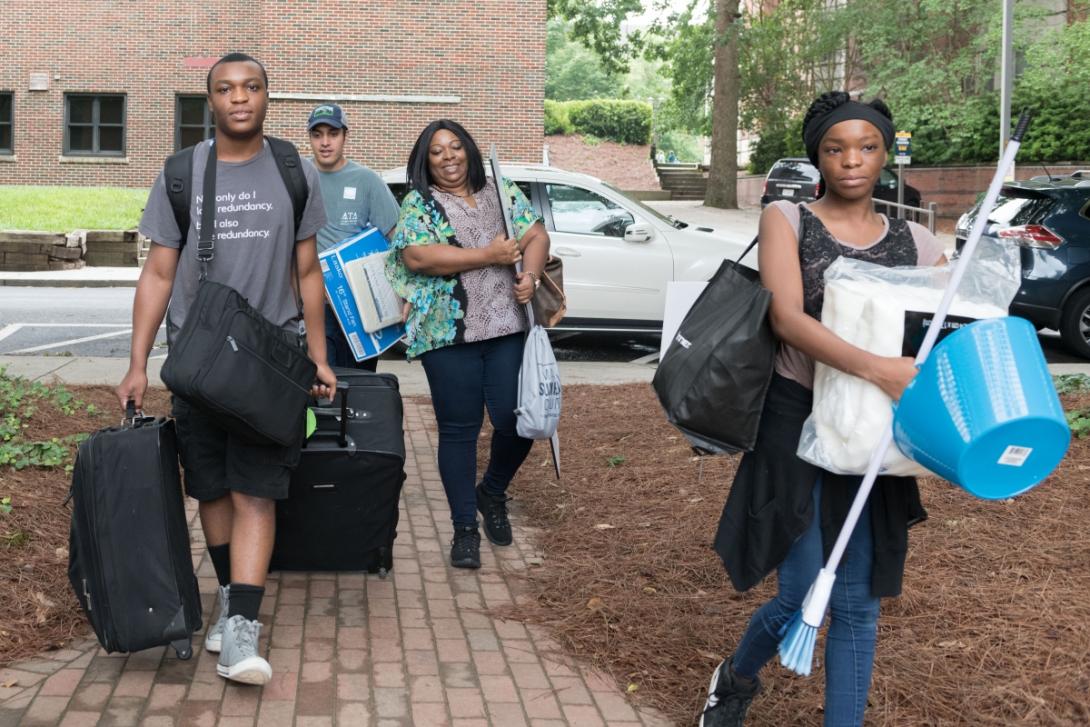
{"x":193,"y":122}
{"x":6,"y":122}
{"x":94,"y":125}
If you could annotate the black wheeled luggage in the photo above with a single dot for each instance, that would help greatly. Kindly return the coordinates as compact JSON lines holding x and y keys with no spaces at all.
{"x":342,"y":510}
{"x":129,"y":560}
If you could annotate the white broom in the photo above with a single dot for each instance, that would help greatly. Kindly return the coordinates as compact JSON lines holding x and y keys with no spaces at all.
{"x":800,"y":633}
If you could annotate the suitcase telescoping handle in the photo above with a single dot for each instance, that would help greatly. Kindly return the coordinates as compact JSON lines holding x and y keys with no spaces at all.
{"x":134,"y":417}
{"x":342,"y":440}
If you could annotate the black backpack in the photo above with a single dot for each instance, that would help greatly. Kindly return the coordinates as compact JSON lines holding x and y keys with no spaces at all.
{"x":178,"y":173}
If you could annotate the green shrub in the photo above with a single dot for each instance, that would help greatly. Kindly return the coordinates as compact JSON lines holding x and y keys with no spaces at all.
{"x":626,"y":122}
{"x":776,"y":144}
{"x":556,"y":118}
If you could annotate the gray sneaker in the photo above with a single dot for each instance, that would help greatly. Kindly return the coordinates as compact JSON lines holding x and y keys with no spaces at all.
{"x":239,"y":661}
{"x":213,"y":640}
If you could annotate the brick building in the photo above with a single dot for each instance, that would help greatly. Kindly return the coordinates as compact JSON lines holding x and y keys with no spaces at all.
{"x":99,"y":92}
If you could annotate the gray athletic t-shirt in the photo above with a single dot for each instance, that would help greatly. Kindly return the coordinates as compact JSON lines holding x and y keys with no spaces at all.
{"x":254,"y":242}
{"x":354,"y":197}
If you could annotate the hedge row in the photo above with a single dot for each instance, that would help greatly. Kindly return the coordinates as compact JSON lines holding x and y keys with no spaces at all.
{"x":627,"y":122}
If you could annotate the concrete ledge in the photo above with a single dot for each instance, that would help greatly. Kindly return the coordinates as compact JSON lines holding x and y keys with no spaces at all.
{"x":92,"y":160}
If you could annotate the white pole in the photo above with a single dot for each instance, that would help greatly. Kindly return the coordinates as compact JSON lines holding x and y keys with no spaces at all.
{"x":1006,"y":79}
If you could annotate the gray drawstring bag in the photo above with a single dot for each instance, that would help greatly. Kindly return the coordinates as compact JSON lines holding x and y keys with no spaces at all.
{"x":538,"y":409}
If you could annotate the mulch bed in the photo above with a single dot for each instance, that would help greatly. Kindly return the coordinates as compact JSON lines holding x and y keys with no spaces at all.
{"x":993,"y":627}
{"x":37,"y":609}
{"x":625,"y":166}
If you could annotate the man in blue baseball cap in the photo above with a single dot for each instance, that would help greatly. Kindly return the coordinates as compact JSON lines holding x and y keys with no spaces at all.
{"x":354,"y":197}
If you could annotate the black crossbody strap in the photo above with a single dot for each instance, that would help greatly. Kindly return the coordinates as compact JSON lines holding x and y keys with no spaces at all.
{"x":746,"y":251}
{"x":206,"y":238}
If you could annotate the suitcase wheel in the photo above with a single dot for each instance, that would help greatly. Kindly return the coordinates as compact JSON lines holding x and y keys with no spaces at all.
{"x":382,"y":573}
{"x":183,"y":648}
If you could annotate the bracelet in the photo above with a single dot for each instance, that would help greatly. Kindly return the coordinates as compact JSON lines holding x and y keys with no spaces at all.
{"x":537,"y":280}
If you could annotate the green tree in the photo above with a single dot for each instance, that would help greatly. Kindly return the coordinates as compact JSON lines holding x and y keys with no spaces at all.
{"x":597,"y":23}
{"x":572,"y":71}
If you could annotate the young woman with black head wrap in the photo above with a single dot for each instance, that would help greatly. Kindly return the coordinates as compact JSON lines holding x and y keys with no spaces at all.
{"x":784,"y":514}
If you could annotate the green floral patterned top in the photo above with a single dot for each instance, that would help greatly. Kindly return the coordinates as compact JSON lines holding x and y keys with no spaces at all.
{"x":439,"y":304}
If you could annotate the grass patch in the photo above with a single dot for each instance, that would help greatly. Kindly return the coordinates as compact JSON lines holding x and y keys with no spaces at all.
{"x":63,"y":209}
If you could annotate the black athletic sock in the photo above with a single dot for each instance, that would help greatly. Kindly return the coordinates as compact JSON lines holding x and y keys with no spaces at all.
{"x":244,"y":600}
{"x":221,"y":561}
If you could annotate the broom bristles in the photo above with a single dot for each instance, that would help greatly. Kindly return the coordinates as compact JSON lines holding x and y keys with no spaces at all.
{"x":799,"y":635}
{"x":797,"y":646}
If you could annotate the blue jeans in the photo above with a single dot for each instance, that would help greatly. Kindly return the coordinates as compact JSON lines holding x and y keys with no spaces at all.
{"x":465,"y":378}
{"x":337,"y":350}
{"x":853,"y":624}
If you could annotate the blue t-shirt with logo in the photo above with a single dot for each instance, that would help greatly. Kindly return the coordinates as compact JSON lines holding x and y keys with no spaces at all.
{"x":354,"y":197}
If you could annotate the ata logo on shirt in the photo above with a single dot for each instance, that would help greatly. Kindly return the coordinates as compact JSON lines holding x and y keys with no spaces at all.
{"x":350,"y":218}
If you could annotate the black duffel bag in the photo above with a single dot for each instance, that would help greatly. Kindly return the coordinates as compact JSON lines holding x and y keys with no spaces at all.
{"x":713,"y":377}
{"x":252,"y":375}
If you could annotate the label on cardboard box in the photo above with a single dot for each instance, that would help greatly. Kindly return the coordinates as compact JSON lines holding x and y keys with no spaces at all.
{"x":339,"y":294}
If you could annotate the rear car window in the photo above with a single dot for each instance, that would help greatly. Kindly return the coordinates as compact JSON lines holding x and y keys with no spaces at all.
{"x":795,"y":170}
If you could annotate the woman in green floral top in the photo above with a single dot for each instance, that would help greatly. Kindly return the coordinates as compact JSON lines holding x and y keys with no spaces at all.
{"x":454,"y":266}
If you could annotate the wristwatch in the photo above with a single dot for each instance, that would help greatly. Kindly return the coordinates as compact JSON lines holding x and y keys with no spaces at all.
{"x":537,"y":280}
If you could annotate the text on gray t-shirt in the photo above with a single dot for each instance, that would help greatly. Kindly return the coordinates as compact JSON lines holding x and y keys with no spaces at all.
{"x":255,"y":234}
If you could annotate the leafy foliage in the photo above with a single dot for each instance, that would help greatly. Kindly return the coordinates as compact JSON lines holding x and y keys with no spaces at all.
{"x":573,"y":71}
{"x":1079,"y":421}
{"x":20,"y":400}
{"x":1071,"y":383}
{"x":556,"y":118}
{"x":597,"y":23}
{"x":627,"y":122}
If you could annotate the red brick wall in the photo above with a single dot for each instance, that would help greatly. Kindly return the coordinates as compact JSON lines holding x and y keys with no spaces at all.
{"x":490,"y":53}
{"x":955,"y":189}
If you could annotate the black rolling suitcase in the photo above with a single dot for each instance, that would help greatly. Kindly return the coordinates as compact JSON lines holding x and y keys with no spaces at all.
{"x":128,"y":555}
{"x":341,"y":512}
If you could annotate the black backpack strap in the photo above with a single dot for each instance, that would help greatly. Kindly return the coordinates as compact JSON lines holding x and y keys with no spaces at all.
{"x":178,"y":177}
{"x":290,"y":165}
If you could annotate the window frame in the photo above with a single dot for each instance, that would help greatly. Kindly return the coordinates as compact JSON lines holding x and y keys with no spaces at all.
{"x":95,"y":125}
{"x":10,"y":123}
{"x":209,"y":124}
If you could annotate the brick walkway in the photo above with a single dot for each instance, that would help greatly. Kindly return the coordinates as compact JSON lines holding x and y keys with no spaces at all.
{"x":418,"y":648}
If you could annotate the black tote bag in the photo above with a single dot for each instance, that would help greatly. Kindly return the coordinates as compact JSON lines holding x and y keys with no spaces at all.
{"x":251,"y":375}
{"x":712,"y":380}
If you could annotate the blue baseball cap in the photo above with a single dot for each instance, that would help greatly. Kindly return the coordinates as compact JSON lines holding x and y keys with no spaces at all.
{"x":328,"y":113}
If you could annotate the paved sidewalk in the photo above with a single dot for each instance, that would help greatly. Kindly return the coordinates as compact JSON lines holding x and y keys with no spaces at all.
{"x":418,"y":648}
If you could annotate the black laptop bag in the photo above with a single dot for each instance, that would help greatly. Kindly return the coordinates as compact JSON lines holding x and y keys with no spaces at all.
{"x":342,"y":510}
{"x":129,"y":560}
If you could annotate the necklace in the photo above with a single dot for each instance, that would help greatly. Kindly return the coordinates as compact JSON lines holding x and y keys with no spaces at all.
{"x":455,"y":194}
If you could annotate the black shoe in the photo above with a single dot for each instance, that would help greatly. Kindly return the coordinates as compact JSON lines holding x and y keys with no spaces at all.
{"x":465,"y":549}
{"x":729,"y":696}
{"x":494,"y":511}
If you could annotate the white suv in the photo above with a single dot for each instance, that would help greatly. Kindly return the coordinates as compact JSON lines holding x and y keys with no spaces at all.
{"x":618,"y":253}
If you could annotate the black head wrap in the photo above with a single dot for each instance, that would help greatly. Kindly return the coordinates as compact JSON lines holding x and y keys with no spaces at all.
{"x":819,"y":125}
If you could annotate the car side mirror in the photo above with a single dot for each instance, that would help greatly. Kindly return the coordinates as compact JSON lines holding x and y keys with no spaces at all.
{"x":638,"y":232}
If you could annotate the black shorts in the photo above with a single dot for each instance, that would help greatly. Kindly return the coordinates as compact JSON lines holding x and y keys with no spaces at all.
{"x":217,"y":462}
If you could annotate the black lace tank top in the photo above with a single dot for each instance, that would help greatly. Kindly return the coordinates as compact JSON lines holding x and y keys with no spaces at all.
{"x":818,"y":249}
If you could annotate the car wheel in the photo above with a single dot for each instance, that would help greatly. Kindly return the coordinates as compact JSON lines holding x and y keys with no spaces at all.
{"x":1075,"y":323}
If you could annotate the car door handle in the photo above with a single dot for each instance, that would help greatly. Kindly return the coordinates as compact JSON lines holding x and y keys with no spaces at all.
{"x":567,"y":251}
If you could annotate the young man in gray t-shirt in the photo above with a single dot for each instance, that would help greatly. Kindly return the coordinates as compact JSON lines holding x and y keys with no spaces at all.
{"x":355,"y":197}
{"x":236,"y":482}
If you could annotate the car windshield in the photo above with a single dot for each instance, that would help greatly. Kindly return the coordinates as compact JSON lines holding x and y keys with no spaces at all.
{"x":668,"y":219}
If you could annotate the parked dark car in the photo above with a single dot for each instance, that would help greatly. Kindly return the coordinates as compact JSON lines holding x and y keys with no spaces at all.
{"x":1048,"y":219}
{"x":797,"y":180}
